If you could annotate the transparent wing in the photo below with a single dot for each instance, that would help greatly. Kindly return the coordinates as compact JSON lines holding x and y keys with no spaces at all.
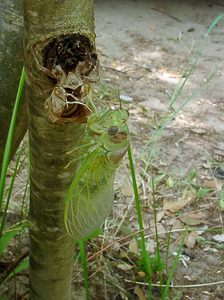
{"x":90,"y":197}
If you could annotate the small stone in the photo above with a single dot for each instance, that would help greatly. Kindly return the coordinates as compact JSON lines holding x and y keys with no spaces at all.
{"x":126,"y":98}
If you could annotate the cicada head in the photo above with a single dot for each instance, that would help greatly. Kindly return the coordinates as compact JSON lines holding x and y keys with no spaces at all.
{"x":110,"y":130}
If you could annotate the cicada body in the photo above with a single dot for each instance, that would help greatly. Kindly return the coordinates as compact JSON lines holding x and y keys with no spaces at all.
{"x":91,"y":195}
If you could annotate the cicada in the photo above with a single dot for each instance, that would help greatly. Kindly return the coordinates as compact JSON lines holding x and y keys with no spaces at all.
{"x":91,"y":195}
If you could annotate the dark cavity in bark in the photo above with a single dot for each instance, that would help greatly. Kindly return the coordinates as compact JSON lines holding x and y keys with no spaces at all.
{"x":68,"y":61}
{"x":69,"y":51}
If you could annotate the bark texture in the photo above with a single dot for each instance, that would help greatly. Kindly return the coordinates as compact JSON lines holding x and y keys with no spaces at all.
{"x":11,"y":63}
{"x":48,"y":25}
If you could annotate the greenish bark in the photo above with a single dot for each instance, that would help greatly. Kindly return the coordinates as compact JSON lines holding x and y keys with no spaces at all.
{"x":48,"y":24}
{"x":11,"y":63}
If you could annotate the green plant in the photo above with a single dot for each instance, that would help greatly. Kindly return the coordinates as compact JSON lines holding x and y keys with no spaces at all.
{"x":9,"y":193}
{"x":174,"y":266}
{"x":10,"y":233}
{"x":145,"y":256}
{"x":84,"y":267}
{"x":158,"y":252}
{"x":7,"y":151}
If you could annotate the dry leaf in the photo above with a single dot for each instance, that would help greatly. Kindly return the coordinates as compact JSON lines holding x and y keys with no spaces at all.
{"x":124,"y":266}
{"x":138,"y":291}
{"x":177,"y":225}
{"x":127,"y":190}
{"x":194,"y":219}
{"x":141,"y":274}
{"x":199,"y":130}
{"x":126,"y":98}
{"x":133,"y":247}
{"x":201,"y":229}
{"x":213,"y":184}
{"x":191,"y":240}
{"x":160,"y":229}
{"x":150,"y":246}
{"x":160,"y":215}
{"x":219,"y":238}
{"x":175,"y":206}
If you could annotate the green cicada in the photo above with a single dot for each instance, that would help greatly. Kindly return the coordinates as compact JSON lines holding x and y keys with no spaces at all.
{"x":91,"y":196}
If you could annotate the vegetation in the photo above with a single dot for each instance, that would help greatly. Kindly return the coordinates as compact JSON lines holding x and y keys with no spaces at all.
{"x":47,"y":147}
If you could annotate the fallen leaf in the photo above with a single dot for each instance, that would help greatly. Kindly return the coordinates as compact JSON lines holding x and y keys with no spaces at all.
{"x":212,"y":184}
{"x":199,"y":130}
{"x":9,"y":172}
{"x":219,"y":238}
{"x":127,"y":190}
{"x":194,"y":219}
{"x":138,"y":291}
{"x":126,"y":98}
{"x":141,"y":274}
{"x":191,"y":240}
{"x":124,"y":266}
{"x":201,"y":229}
{"x":177,"y":205}
{"x":177,"y":225}
{"x":133,"y":247}
{"x":160,"y":229}
{"x":154,"y":103}
{"x":150,"y":246}
{"x":160,"y":215}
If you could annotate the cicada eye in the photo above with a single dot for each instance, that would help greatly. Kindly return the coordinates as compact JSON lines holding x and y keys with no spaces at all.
{"x":113,"y":130}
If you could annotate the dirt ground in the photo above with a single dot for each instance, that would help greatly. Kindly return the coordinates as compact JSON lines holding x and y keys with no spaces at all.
{"x":146,"y":48}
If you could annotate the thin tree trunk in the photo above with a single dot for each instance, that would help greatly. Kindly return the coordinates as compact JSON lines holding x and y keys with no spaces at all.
{"x":58,"y":36}
{"x":11,"y":63}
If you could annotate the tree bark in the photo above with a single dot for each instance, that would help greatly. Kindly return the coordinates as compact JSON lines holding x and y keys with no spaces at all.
{"x":11,"y":63}
{"x":55,"y":33}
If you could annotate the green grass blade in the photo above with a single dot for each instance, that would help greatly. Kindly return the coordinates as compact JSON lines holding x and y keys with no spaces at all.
{"x":9,"y":234}
{"x":24,"y":265}
{"x":145,"y":255}
{"x":84,"y":267}
{"x":213,"y":24}
{"x":180,"y":86}
{"x":167,"y":249}
{"x":158,"y":253}
{"x":7,"y":152}
{"x":10,"y":192}
{"x":174,"y":266}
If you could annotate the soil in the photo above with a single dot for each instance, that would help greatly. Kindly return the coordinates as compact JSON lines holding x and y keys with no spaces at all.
{"x":146,"y":48}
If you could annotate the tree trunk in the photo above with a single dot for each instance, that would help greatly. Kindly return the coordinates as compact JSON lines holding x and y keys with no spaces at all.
{"x":11,"y":63}
{"x":59,"y":56}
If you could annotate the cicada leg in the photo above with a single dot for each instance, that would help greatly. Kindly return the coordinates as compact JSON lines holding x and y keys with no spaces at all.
{"x":75,"y":160}
{"x":87,"y":145}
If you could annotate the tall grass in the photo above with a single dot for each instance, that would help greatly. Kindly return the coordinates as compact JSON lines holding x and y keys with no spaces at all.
{"x":145,"y":256}
{"x":174,"y":266}
{"x":7,"y":152}
{"x":8,"y":235}
{"x":166,"y":120}
{"x":9,"y":193}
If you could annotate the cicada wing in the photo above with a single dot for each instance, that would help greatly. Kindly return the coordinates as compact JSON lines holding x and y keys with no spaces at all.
{"x":92,"y":200}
